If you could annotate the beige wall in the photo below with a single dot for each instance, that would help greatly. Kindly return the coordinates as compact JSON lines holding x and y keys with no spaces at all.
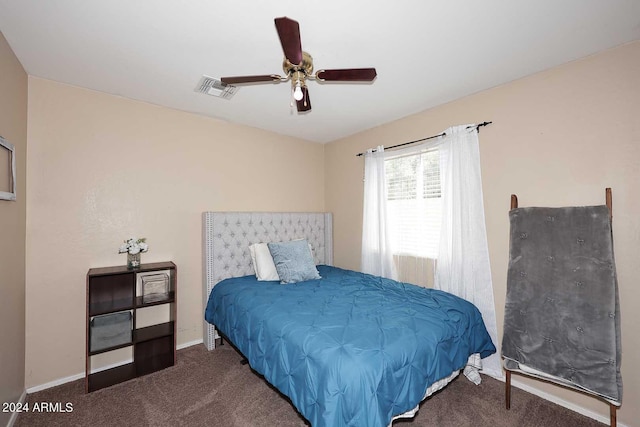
{"x":103,"y":168}
{"x":558,"y":138}
{"x":13,"y":127}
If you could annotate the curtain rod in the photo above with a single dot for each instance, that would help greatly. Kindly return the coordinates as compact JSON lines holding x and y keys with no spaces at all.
{"x":429,"y":137}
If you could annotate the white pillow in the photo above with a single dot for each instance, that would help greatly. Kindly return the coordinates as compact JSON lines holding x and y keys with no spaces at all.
{"x":263,"y":262}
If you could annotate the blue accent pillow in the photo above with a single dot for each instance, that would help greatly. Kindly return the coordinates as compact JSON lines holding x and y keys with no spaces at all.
{"x":293,"y":261}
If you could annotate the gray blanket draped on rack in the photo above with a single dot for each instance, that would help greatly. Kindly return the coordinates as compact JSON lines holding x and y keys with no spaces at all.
{"x":562,"y":317}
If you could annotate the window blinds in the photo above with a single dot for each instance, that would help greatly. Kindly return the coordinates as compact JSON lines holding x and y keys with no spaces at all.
{"x":414,"y":203}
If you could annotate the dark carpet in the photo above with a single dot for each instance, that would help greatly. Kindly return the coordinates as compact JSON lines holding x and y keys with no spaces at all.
{"x":214,"y":389}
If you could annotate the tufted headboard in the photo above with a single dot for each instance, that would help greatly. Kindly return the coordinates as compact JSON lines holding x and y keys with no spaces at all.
{"x":227,"y":236}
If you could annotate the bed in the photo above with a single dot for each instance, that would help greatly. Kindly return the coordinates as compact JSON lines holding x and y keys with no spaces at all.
{"x":348,"y":349}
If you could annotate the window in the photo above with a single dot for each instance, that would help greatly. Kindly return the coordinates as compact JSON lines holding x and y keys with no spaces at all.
{"x":414,"y":203}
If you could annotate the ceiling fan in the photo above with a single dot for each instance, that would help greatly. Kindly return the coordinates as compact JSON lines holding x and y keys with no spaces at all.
{"x":298,"y":67}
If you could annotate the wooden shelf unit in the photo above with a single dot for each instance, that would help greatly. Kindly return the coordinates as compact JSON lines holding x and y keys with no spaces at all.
{"x":115,"y":290}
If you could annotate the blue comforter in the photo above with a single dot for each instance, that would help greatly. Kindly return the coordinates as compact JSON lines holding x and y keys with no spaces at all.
{"x":349,"y":349}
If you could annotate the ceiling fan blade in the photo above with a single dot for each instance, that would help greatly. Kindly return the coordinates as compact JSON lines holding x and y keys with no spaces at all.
{"x":289,"y":33}
{"x":305,"y":103}
{"x":250,"y":79}
{"x":347,"y":75}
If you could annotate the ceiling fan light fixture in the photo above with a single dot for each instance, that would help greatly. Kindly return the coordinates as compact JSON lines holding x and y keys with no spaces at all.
{"x":297,"y":91}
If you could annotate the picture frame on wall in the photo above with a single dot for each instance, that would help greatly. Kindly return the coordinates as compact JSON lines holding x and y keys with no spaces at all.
{"x":7,"y":170}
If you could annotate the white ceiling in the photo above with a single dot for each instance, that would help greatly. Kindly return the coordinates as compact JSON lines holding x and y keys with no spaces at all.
{"x":426,"y":52}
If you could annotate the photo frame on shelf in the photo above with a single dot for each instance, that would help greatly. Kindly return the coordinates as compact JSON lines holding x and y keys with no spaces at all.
{"x":7,"y":170}
{"x":153,"y":286}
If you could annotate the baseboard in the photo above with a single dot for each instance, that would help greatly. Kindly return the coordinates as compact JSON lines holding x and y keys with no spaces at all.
{"x":54,"y":383}
{"x":189,"y":344}
{"x":14,"y":415}
{"x":564,"y":403}
{"x":75,"y":377}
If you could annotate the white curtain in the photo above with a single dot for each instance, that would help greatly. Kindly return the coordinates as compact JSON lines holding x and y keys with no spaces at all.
{"x":463,"y":259}
{"x":462,"y":266}
{"x":377,"y":257}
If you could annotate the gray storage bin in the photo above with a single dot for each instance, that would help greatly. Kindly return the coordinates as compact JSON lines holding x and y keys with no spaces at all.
{"x":110,"y":330}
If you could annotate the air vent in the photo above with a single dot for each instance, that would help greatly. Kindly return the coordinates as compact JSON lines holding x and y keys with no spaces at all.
{"x":214,"y":87}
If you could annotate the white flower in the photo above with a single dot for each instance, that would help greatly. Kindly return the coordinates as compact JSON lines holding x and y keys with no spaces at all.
{"x":134,"y":246}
